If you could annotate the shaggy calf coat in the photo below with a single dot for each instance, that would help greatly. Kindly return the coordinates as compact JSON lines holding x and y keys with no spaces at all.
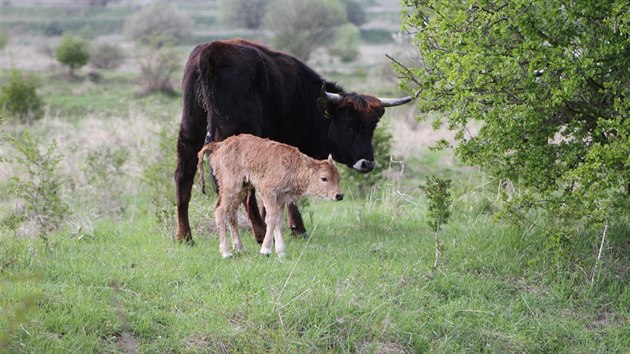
{"x":280,"y":173}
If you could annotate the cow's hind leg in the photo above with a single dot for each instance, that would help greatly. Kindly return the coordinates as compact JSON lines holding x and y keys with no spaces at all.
{"x":187,"y":148}
{"x":258,"y":224}
{"x":296,"y":224}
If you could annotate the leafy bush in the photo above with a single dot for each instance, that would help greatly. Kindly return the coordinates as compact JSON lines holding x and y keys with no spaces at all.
{"x":300,"y":26}
{"x":19,"y":98}
{"x":73,"y":52}
{"x":245,"y":13}
{"x":106,"y":56}
{"x":347,"y":40}
{"x":157,"y":20}
{"x":548,"y":82}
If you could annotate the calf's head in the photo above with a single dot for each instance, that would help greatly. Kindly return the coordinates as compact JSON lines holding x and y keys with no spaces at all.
{"x":325,"y":180}
{"x":353,"y":118}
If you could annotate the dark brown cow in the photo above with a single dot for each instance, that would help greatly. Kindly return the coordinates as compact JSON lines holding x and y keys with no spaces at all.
{"x":236,"y":86}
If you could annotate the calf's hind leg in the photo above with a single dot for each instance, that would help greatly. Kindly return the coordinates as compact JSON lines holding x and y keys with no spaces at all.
{"x":221,"y":215}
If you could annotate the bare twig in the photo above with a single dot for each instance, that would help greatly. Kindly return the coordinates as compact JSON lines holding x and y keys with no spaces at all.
{"x":408,"y":73}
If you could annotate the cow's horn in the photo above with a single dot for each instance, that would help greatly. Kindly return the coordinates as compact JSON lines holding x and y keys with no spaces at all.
{"x":391,"y":102}
{"x":333,"y":97}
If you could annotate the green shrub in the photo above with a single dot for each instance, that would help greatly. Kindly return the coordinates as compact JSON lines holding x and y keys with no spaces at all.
{"x":347,"y":40}
{"x":106,"y":56}
{"x":19,"y":98}
{"x":73,"y":52}
{"x":36,"y":184}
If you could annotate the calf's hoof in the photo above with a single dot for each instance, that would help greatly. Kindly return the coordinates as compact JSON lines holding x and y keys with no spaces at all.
{"x":265,"y":251}
{"x":226,"y":255}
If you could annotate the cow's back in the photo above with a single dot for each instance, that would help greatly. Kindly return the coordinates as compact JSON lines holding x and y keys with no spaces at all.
{"x":252,"y":89}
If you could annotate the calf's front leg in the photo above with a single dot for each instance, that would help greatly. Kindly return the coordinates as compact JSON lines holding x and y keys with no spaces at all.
{"x":274,"y":222}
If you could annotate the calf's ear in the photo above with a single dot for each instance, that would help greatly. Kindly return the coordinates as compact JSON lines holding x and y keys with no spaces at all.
{"x":330,"y":159}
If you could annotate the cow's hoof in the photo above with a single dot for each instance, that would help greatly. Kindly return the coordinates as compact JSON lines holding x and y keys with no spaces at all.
{"x":265,"y":251}
{"x":227,"y":255}
{"x":299,"y":232}
{"x":281,"y":255}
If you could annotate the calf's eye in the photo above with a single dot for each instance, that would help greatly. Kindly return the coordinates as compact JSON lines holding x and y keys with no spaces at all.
{"x":324,"y":179}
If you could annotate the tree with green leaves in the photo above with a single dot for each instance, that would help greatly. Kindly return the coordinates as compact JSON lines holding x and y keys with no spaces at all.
{"x":73,"y":52}
{"x":548,"y":82}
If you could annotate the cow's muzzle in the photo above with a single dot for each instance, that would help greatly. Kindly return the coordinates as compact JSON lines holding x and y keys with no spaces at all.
{"x":339,"y":196}
{"x":364,"y":165}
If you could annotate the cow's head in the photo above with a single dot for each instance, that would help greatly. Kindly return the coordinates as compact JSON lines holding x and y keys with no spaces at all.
{"x":353,"y":118}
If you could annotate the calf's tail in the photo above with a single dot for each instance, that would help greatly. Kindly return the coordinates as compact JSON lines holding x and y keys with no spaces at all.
{"x":205,"y":150}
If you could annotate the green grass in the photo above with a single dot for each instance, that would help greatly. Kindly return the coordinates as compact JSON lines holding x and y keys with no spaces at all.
{"x":362,"y":282}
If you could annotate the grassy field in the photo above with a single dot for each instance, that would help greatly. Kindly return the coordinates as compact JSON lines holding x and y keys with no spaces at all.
{"x":362,"y":282}
{"x":112,"y":279}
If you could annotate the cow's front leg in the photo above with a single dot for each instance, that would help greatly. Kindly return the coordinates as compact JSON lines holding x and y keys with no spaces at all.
{"x":294,"y":219}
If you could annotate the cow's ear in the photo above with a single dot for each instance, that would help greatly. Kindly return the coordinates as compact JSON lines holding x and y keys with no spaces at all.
{"x":330,"y":159}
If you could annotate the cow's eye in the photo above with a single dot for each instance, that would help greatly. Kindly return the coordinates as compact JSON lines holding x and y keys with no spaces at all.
{"x":324,"y":179}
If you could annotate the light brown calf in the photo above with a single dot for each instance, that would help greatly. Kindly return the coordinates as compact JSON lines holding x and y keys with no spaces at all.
{"x":280,"y":173}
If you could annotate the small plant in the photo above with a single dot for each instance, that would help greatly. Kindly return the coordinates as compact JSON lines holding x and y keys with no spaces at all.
{"x":437,"y":191}
{"x":19,"y":98}
{"x":106,"y":56}
{"x":37,"y":184}
{"x":72,"y":52}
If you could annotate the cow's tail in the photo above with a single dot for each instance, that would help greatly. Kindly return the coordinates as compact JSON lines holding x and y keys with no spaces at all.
{"x":203,"y":152}
{"x":205,"y":65}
